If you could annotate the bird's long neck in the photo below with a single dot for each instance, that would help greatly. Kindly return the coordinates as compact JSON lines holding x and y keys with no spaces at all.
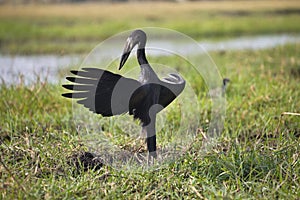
{"x":141,"y":56}
{"x":147,"y":73}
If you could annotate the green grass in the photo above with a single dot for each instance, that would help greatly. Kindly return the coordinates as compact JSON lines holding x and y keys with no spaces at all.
{"x":257,"y":156}
{"x":79,"y":27}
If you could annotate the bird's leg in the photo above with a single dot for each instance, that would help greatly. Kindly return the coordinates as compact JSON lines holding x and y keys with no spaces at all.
{"x":151,"y":139}
{"x":149,"y":136}
{"x":151,"y":144}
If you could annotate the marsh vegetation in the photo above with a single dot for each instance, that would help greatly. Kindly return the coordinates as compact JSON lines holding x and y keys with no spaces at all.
{"x":257,"y":156}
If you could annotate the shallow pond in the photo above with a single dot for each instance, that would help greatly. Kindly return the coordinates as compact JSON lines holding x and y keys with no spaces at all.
{"x":14,"y":69}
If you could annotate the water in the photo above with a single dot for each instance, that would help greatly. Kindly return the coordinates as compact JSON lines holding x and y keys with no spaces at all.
{"x":252,"y":43}
{"x":26,"y":69}
{"x":46,"y":67}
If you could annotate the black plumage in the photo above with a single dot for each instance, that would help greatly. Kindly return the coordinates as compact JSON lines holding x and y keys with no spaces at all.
{"x":108,"y":94}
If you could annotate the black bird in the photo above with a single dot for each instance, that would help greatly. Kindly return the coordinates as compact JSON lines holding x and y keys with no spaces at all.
{"x":220,"y":91}
{"x":108,"y":94}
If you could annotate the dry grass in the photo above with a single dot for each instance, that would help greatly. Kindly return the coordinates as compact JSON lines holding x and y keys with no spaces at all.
{"x":76,"y":28}
{"x":151,"y":9}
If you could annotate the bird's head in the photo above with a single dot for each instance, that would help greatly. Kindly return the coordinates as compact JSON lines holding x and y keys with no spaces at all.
{"x":137,"y":37}
{"x":225,"y":81}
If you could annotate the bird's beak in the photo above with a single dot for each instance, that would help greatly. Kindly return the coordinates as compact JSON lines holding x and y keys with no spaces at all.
{"x":123,"y":59}
{"x":126,"y":52}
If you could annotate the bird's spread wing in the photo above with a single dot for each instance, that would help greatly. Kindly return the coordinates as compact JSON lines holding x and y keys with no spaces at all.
{"x":101,"y":91}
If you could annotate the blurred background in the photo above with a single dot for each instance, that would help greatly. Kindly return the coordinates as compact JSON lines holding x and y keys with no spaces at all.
{"x":38,"y":36}
{"x":75,"y":26}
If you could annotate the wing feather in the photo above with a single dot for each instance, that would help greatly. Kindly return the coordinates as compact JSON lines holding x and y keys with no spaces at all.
{"x":101,"y":91}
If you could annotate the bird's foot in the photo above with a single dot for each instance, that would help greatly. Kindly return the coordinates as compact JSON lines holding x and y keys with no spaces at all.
{"x":152,"y":156}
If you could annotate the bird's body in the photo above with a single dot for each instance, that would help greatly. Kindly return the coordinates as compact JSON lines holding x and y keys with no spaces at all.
{"x":109,"y":94}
